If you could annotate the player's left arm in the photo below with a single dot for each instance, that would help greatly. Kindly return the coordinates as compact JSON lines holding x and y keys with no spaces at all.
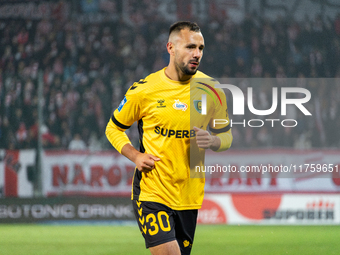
{"x":215,"y":142}
{"x":220,"y":138}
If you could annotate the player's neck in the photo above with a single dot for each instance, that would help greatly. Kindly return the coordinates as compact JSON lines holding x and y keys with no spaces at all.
{"x":176,"y":75}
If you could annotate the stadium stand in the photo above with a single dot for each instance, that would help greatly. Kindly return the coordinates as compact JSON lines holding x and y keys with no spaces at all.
{"x":87,"y":67}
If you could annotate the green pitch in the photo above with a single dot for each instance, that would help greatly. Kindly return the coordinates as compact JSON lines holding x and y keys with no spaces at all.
{"x":210,"y":239}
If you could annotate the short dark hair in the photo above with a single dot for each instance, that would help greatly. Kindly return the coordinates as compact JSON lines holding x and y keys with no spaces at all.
{"x":178,"y":26}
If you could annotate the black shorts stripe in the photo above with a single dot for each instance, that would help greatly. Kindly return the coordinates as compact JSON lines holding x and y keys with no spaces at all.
{"x":118,"y":123}
{"x":222,"y":130}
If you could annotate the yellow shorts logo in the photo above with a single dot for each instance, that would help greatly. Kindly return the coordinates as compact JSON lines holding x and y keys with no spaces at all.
{"x":186,"y":243}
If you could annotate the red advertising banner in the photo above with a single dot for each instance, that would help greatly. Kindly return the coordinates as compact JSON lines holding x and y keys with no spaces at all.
{"x":249,"y":208}
{"x":85,"y":173}
{"x":107,"y":173}
{"x":273,"y":170}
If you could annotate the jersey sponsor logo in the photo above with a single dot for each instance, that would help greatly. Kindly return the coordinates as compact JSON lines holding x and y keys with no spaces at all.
{"x":122,"y":104}
{"x":179,"y":105}
{"x":174,"y":133}
{"x":198,"y":105}
{"x":160,"y":103}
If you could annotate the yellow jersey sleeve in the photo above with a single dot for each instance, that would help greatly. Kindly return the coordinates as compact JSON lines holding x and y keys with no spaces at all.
{"x":116,"y":136}
{"x":129,"y":108}
{"x":219,"y":124}
{"x":123,"y":117}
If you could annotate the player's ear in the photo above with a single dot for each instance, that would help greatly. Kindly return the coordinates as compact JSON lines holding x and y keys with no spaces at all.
{"x":170,"y":47}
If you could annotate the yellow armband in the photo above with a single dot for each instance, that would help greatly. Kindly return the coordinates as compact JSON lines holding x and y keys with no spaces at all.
{"x":226,"y":140}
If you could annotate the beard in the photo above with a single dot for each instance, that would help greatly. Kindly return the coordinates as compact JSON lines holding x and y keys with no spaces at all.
{"x":186,"y":70}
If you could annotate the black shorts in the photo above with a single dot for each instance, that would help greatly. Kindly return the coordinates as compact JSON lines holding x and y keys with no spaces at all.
{"x":160,"y":224}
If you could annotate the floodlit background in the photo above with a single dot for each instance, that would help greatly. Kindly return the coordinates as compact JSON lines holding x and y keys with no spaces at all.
{"x":66,"y":65}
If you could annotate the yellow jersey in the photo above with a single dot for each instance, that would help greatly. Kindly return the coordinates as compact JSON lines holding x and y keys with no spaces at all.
{"x":166,"y":112}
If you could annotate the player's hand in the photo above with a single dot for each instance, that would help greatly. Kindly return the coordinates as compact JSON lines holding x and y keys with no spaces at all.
{"x":204,"y":139}
{"x":146,"y":162}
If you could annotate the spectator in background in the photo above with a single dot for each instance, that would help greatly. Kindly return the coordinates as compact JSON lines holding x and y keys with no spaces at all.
{"x":86,"y":66}
{"x":77,"y":143}
{"x":94,"y":143}
{"x":49,"y":140}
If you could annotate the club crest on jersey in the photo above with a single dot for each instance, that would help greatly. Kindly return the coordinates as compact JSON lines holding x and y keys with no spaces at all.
{"x":179,"y":105}
{"x":122,"y":104}
{"x":198,"y":105}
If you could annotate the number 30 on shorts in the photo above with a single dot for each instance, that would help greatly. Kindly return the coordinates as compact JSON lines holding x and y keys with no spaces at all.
{"x":162,"y":222}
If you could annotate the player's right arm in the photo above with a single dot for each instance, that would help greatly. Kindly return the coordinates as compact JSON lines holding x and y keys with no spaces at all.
{"x":122,"y":118}
{"x":144,"y":162}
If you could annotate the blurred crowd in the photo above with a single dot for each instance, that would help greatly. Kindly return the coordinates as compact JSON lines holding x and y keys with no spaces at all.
{"x":86,"y":69}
